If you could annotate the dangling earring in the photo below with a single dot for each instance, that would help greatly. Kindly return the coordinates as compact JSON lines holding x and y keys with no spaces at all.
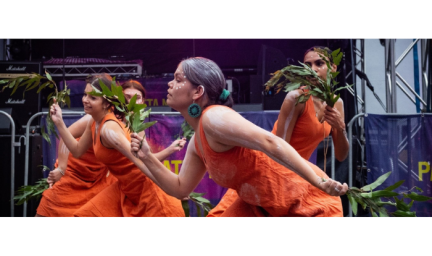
{"x":194,"y":110}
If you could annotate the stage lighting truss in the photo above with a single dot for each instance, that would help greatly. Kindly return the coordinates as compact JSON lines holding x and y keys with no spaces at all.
{"x":130,"y":69}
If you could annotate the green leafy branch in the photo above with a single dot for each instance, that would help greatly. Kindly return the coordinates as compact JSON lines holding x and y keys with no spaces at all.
{"x":134,"y":113}
{"x":200,"y":202}
{"x":292,"y":77}
{"x":33,"y":81}
{"x":186,"y":131}
{"x":373,"y":200}
{"x":26,"y":193}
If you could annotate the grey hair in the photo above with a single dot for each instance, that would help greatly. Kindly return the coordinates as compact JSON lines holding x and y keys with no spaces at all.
{"x":205,"y":72}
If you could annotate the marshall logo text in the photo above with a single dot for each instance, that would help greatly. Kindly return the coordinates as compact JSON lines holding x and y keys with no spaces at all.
{"x":11,"y":101}
{"x":12,"y":68}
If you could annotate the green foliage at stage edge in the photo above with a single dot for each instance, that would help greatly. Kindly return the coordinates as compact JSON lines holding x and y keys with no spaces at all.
{"x":26,"y":193}
{"x":373,"y":200}
{"x":292,"y":77}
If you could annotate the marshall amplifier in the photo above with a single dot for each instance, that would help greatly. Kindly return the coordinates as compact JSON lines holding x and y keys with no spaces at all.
{"x":22,"y":108}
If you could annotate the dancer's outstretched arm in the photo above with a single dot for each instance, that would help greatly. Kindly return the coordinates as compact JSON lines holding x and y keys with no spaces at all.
{"x":175,"y":146}
{"x":224,"y":129}
{"x":77,"y":148}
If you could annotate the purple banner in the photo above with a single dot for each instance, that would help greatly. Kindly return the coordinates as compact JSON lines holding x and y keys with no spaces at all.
{"x":402,"y":145}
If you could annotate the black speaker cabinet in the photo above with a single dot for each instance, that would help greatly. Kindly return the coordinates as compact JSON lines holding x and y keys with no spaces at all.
{"x":35,"y":173}
{"x":22,"y":107}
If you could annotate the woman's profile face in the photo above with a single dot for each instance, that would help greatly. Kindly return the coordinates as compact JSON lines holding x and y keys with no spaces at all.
{"x":92,"y":104}
{"x":179,"y":90}
{"x":313,"y":60}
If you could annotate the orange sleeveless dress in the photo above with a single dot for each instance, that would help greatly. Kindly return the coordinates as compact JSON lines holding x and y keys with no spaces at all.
{"x":84,"y":178}
{"x":261,"y":187}
{"x":134,"y":194}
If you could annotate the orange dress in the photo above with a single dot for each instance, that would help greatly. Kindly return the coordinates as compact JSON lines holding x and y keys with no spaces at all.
{"x":84,"y":178}
{"x":133,"y":194}
{"x":261,"y":187}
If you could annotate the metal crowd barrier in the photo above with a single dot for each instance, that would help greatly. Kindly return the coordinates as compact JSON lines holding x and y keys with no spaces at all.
{"x":350,"y":156}
{"x":13,"y":144}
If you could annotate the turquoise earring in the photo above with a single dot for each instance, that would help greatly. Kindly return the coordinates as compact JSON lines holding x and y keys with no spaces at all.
{"x":194,"y":110}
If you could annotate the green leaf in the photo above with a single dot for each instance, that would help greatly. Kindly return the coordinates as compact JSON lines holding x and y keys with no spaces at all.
{"x":137,"y":108}
{"x":12,"y":84}
{"x":373,"y":213}
{"x":144,"y":114}
{"x":401,"y":205}
{"x":45,"y":135}
{"x":185,"y":205}
{"x":14,"y":89}
{"x":343,"y":87}
{"x":337,"y":59}
{"x":202,"y":199}
{"x":4,"y":81}
{"x":95,"y":93}
{"x":42,"y":87}
{"x":144,"y":126}
{"x":394,"y":186}
{"x":132,"y":102}
{"x":418,"y":189}
{"x":376,"y":183}
{"x":417,"y":197}
{"x":198,"y":209}
{"x":353,"y":203}
{"x":400,"y":213}
{"x":334,"y":74}
{"x":67,"y":101}
{"x":316,"y":89}
{"x":119,"y":108}
{"x":379,"y":193}
{"x":35,"y":82}
{"x":48,"y":75}
{"x":382,"y":212}
{"x":105,"y":90}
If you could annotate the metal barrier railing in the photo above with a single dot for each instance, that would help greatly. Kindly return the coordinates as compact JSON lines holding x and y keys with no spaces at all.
{"x":350,"y":156}
{"x":13,"y":144}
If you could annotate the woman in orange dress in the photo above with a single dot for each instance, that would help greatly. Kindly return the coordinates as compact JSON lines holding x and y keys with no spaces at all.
{"x":269,"y":176}
{"x":133,"y":194}
{"x":74,"y":181}
{"x":304,"y":125}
